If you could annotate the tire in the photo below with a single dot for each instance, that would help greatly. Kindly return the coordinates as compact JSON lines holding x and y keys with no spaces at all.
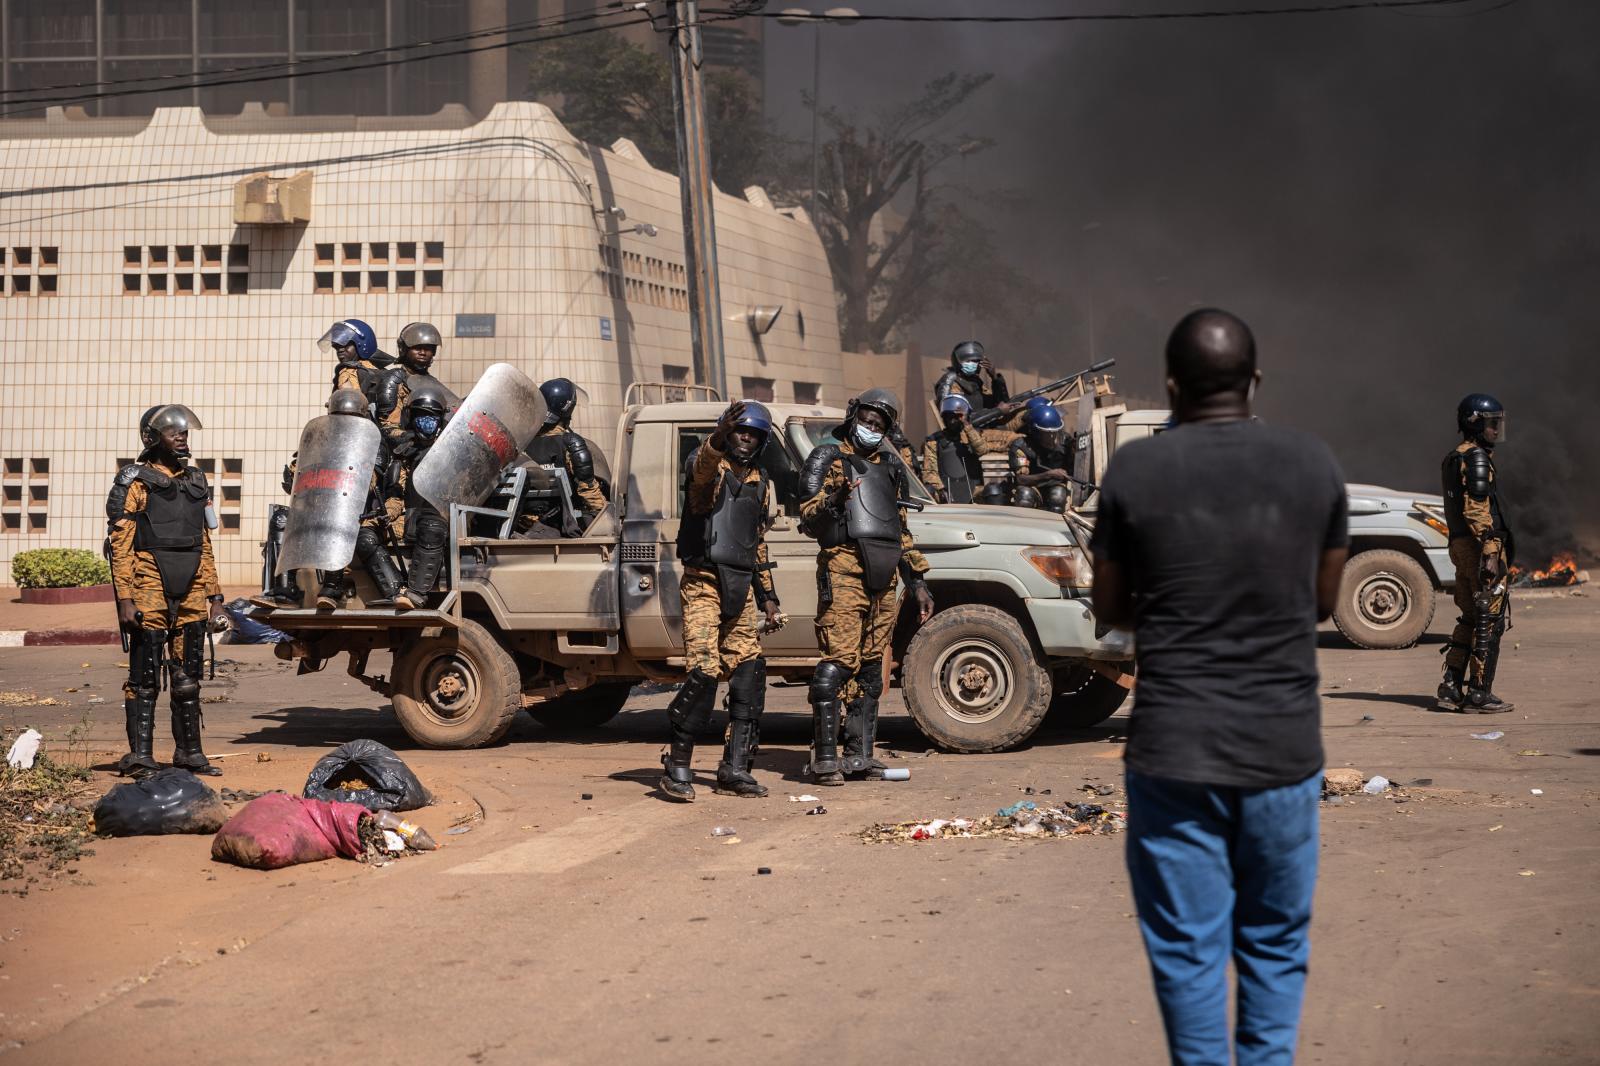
{"x":1083,"y":698}
{"x":588,"y":708}
{"x":1006,"y":693}
{"x":457,"y":688}
{"x":1386,"y":600}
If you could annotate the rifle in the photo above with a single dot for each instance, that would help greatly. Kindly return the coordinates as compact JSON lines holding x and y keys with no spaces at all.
{"x":994,"y":416}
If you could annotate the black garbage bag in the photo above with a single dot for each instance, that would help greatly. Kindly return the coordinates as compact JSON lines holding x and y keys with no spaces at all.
{"x":366,"y":772}
{"x":167,"y":801}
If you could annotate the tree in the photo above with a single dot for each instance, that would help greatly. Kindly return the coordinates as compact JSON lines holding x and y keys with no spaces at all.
{"x":896,"y":241}
{"x":608,"y":87}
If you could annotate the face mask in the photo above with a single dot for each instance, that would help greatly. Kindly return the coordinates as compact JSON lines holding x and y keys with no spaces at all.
{"x":427,"y":426}
{"x":969,"y":368}
{"x":867,"y":438}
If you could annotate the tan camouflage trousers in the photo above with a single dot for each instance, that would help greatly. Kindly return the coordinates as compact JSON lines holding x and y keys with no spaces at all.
{"x":855,"y":625}
{"x":1467,"y":555}
{"x":710,"y":644}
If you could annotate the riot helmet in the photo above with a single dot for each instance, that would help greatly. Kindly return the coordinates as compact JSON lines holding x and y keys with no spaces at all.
{"x":348,"y":402}
{"x":167,"y":426}
{"x":966,"y":357}
{"x":348,"y":340}
{"x":744,"y":447}
{"x":426,"y":409}
{"x":560,"y":400}
{"x":1482,"y":418}
{"x":1045,"y":428}
{"x":952,"y":407}
{"x":418,"y":344}
{"x":882,"y":401}
{"x":1037,"y":401}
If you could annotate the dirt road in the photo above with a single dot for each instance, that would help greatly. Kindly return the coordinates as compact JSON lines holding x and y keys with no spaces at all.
{"x":1455,"y":927}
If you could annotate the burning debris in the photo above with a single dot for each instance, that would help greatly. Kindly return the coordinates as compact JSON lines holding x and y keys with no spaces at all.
{"x":1561,"y":571}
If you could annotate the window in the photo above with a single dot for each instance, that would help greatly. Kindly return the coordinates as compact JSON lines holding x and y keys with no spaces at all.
{"x":29,"y":271}
{"x":324,"y":254}
{"x":807,"y":392}
{"x":238,"y":281}
{"x":433,"y":251}
{"x":25,"y":499}
{"x":433,"y":281}
{"x":227,"y":493}
{"x":322,"y":281}
{"x":756,"y":389}
{"x":211,"y":284}
{"x":675,"y":375}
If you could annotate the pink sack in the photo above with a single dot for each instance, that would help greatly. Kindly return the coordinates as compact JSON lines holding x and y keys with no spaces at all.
{"x":281,"y":830}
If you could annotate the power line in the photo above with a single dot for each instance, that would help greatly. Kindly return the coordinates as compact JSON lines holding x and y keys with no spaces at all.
{"x":547,"y":22}
{"x":40,"y":104}
{"x":1110,"y":16}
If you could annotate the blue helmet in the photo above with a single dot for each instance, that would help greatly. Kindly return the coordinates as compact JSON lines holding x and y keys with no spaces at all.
{"x":348,"y":331}
{"x":1045,"y":418}
{"x":755,"y":416}
{"x":954,"y":404}
{"x":1037,"y":401}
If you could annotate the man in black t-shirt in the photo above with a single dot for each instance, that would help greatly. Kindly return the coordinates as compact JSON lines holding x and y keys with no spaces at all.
{"x":1220,"y":544}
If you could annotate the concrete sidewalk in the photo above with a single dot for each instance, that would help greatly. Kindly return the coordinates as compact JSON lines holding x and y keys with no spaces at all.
{"x":43,"y":624}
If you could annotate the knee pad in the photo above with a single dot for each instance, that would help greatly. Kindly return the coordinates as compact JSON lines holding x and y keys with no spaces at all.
{"x":747,"y":688}
{"x":870,"y":678}
{"x":690,"y":709}
{"x":827,"y":681}
{"x":185,"y":689}
{"x":367,"y":543}
{"x":1026,"y":496}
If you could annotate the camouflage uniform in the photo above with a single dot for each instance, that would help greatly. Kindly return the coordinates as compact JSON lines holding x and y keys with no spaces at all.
{"x":974,"y":439}
{"x":1478,"y":550}
{"x":711,"y":644}
{"x":587,"y":488}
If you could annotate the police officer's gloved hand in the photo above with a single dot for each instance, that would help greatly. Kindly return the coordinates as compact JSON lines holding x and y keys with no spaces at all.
{"x":405,"y":446}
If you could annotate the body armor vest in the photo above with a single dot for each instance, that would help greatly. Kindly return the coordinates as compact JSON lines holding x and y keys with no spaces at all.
{"x":726,"y":539}
{"x":871,"y":520}
{"x":171,"y":528}
{"x":954,"y":383}
{"x":1039,"y":459}
{"x":1455,"y":475}
{"x":958,"y":467}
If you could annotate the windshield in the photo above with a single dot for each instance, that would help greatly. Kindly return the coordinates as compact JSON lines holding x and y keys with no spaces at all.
{"x":807,"y":433}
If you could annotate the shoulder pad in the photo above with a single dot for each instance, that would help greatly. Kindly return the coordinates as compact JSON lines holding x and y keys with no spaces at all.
{"x":815,"y":469}
{"x":1477,"y":473}
{"x":579,"y":461}
{"x":128,"y":475}
{"x":387,"y":393}
{"x":150,"y":475}
{"x":194,"y":474}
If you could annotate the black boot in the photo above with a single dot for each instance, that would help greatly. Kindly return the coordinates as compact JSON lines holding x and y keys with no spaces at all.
{"x":687,"y":714}
{"x":827,"y":681}
{"x":747,"y":698}
{"x":1482,"y":701}
{"x":430,"y":536}
{"x":332,"y":593}
{"x":387,"y":578}
{"x":1449,"y":695}
{"x":140,"y":710}
{"x":184,"y":688}
{"x":861,"y":723}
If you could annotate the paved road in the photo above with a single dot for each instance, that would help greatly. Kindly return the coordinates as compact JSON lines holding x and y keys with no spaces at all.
{"x":1456,"y":927}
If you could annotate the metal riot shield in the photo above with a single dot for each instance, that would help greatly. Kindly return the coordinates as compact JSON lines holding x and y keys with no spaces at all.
{"x":333,"y":476}
{"x":485,"y":434}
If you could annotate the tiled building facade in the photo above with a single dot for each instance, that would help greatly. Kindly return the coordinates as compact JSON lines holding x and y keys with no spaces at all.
{"x":127,"y":282}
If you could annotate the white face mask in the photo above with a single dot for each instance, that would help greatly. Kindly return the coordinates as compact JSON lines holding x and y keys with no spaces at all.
{"x":867,"y":438}
{"x":969,"y":368}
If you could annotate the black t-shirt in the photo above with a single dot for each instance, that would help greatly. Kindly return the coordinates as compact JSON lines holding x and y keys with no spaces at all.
{"x":1218,"y":529}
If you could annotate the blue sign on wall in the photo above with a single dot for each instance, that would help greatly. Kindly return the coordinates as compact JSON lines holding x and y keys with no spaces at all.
{"x":474,"y":325}
{"x":605,"y":328}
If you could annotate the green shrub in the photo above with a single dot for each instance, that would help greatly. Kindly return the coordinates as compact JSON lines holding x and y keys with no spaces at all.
{"x":59,"y":568}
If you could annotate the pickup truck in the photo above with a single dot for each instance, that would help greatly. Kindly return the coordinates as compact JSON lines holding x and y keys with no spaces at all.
{"x":564,"y":628}
{"x":1399,"y":545}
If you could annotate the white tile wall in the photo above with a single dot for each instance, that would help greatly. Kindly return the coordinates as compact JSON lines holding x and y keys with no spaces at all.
{"x":513,"y":200}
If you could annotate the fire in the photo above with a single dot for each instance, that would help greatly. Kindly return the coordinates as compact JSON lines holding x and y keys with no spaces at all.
{"x":1562,"y":569}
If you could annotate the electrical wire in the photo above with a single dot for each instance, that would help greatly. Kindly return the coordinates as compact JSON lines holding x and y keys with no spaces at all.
{"x":200,"y":81}
{"x":1111,"y":16}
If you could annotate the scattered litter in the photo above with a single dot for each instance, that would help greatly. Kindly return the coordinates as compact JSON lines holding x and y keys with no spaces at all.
{"x":262,"y":756}
{"x":818,"y":809}
{"x":1368,"y":718}
{"x":1025,"y":819}
{"x":23,"y":749}
{"x":97,"y":699}
{"x":1524,"y":873}
{"x":243,"y":629}
{"x":1496,"y":828}
{"x":900,"y":773}
{"x":280,"y":830}
{"x":806,"y":798}
{"x":1423,"y":782}
{"x":167,"y":801}
{"x":1105,"y":790}
{"x":393,"y":841}
{"x":1376,"y":786}
{"x":1542,"y":754}
{"x":414,"y":835}
{"x":763,"y":870}
{"x":1342,"y":781}
{"x":1333,"y":801}
{"x":458,"y":830}
{"x":1493,"y":734}
{"x":726,"y":831}
{"x":240,"y":795}
{"x":586,"y":796}
{"x":368,"y":773}
{"x":1536,"y":791}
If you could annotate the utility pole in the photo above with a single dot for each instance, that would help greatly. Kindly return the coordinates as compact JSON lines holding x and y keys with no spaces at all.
{"x":699,"y":219}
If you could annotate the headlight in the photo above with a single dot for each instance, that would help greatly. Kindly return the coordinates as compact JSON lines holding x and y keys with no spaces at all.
{"x":1067,"y":567}
{"x":1430,"y":516}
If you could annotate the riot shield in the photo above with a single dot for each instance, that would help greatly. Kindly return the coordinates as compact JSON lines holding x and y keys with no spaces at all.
{"x":485,"y":434}
{"x":333,"y":476}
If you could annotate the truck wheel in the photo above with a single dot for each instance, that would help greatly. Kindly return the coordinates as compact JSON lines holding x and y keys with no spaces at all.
{"x":1083,"y":698}
{"x":973,"y":682}
{"x":456,"y":689}
{"x":588,"y":708}
{"x":1385,"y":600}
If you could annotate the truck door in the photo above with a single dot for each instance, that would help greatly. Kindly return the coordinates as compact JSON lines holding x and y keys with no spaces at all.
{"x":651,"y":612}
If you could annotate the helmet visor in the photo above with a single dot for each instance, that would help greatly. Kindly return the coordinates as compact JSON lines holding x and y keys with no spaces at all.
{"x":1493,"y":427}
{"x":339,"y":335}
{"x":174,"y":416}
{"x":1049,"y":440}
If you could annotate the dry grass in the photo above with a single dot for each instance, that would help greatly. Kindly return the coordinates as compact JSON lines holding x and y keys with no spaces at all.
{"x":44,"y":823}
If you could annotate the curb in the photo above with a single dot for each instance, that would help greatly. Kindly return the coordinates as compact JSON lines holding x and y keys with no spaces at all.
{"x":48,"y":638}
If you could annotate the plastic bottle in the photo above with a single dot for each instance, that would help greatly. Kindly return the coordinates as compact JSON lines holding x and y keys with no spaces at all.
{"x":414,"y":835}
{"x":897,"y":773}
{"x":724,"y":831}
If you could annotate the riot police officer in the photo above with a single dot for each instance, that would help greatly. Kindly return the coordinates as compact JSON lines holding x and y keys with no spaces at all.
{"x":418,"y":346}
{"x":1041,"y":462}
{"x":950,"y":466}
{"x":964,"y":378}
{"x":370,"y":550}
{"x":159,"y":521}
{"x":850,"y":501}
{"x":556,"y":441}
{"x":1481,"y":549}
{"x":726,"y":578}
{"x":426,"y":531}
{"x":360,"y":366}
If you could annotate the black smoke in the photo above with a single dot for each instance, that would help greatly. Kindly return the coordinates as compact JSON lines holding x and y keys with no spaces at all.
{"x":1402,"y":206}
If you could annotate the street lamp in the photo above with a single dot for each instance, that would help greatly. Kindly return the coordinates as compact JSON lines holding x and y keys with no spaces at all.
{"x":799,"y":16}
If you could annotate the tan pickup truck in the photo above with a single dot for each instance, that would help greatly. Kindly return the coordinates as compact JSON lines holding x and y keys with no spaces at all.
{"x":565,"y":628}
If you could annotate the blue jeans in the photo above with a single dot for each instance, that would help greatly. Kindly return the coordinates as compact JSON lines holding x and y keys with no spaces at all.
{"x":1216,"y":871}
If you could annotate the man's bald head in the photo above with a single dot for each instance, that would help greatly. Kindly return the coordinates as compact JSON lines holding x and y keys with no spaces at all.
{"x":1211,"y":352}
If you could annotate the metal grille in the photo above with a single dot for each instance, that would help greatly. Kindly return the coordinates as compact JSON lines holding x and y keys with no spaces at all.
{"x":638,"y":553}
